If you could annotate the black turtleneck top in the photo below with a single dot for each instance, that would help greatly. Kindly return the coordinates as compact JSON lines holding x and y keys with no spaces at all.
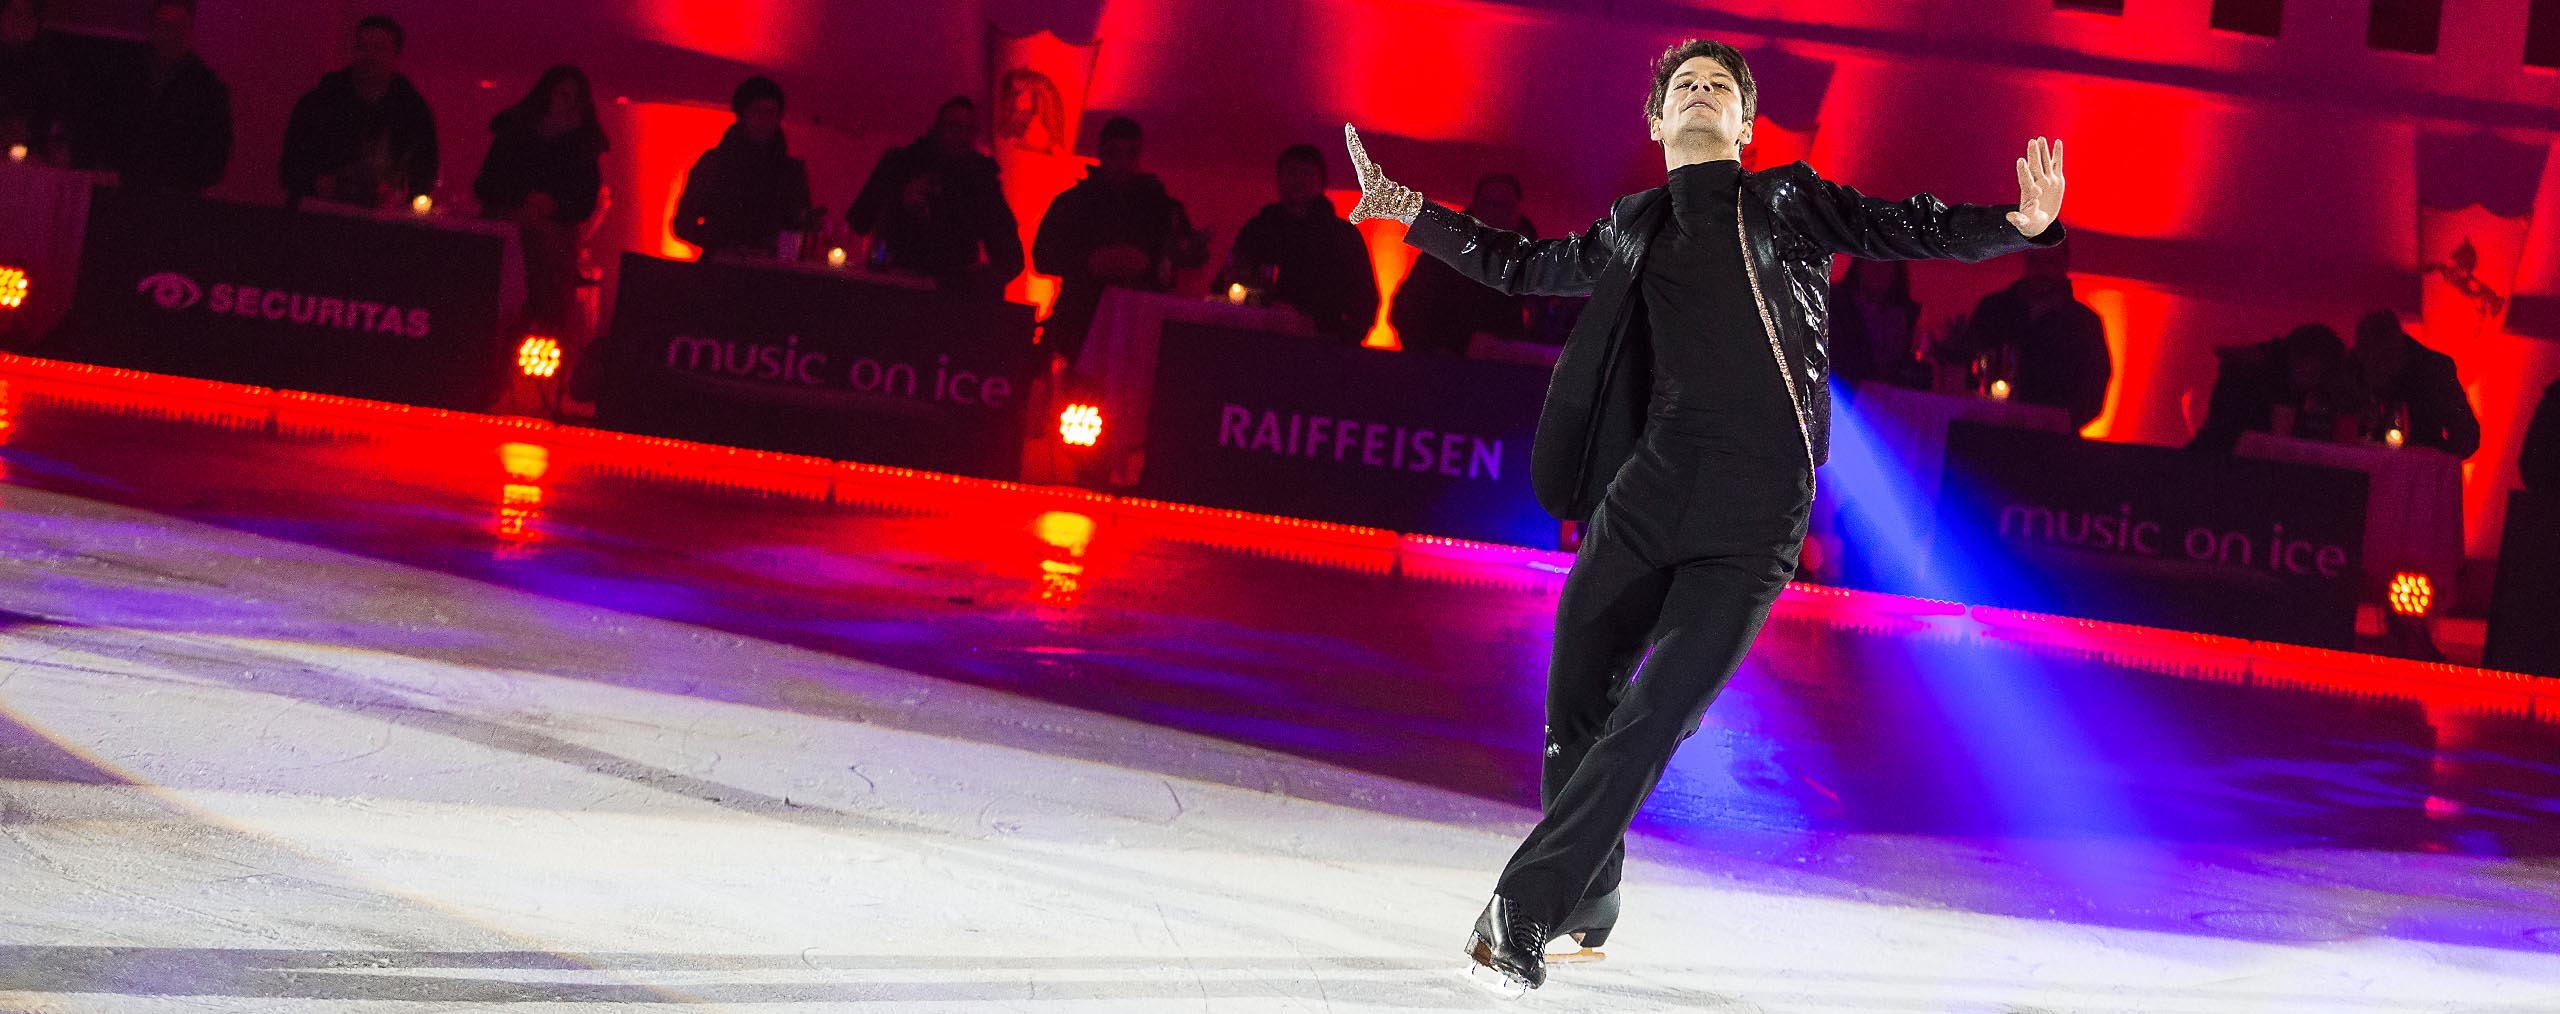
{"x":1715,"y":378}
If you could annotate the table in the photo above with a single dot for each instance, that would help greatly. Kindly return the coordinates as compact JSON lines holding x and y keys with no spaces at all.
{"x":43,"y":213}
{"x":388,"y":307}
{"x":1306,"y":428}
{"x":1119,"y":357}
{"x":511,"y":274}
{"x":2413,"y":512}
{"x":785,"y":358}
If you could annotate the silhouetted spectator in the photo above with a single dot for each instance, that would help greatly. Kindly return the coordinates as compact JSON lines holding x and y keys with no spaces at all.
{"x":364,"y":136}
{"x":166,"y":124}
{"x":2288,"y":385}
{"x":1873,"y":319}
{"x":1305,"y":255}
{"x":936,"y":208}
{"x":1440,"y":311}
{"x":543,"y":173}
{"x":35,"y":90}
{"x":2413,"y":386}
{"x":1116,"y":228}
{"x":2056,"y":346}
{"x":743,"y":194}
{"x":2539,"y":462}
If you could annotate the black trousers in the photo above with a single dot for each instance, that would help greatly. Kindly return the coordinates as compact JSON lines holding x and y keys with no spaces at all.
{"x":1677,"y":571}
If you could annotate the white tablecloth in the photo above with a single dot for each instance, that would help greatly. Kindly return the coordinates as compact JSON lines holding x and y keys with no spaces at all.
{"x":44,"y":212}
{"x":2413,"y":510}
{"x":1119,"y":356}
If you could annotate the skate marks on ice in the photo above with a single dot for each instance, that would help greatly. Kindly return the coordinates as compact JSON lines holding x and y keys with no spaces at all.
{"x":229,"y":785}
{"x":235,"y":815}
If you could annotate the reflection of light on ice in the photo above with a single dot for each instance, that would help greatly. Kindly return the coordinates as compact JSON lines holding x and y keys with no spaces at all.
{"x":520,"y":500}
{"x":573,"y":800}
{"x":1068,"y":535}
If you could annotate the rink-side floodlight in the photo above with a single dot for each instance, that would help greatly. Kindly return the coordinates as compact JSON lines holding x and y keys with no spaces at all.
{"x":2412,"y":594}
{"x":538,"y":356}
{"x":1080,"y":425}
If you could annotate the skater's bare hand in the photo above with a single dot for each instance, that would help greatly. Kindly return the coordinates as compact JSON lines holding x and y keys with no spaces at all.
{"x":1379,"y":196}
{"x":2039,"y":189}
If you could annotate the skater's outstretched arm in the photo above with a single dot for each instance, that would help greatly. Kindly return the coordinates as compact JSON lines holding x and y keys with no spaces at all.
{"x":1508,"y":261}
{"x":1923,"y":227}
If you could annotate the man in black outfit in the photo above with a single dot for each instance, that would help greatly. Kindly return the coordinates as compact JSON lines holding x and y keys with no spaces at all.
{"x":1306,"y":255}
{"x":2057,"y":344}
{"x":169,"y":125}
{"x":1440,"y":311}
{"x":936,"y":208}
{"x":2297,"y":385}
{"x":2414,"y":387}
{"x":364,"y":136}
{"x":1683,"y":426}
{"x":745,"y":192}
{"x":1118,"y":228}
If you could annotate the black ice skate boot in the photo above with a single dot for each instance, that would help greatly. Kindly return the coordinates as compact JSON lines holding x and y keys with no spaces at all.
{"x":1589,"y":926}
{"x":1508,"y":943}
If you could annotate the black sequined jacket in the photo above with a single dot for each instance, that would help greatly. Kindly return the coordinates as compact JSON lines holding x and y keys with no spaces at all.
{"x":1793,"y":221}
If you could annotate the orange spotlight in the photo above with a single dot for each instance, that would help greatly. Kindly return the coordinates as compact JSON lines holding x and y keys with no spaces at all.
{"x":538,"y":356}
{"x":2412,"y":594}
{"x":1080,"y":425}
{"x":13,"y":287}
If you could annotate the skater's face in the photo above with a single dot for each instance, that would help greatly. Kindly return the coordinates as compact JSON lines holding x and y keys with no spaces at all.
{"x":1703,"y":104}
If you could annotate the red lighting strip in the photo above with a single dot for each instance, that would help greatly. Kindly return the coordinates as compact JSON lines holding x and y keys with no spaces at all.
{"x":1373,"y":550}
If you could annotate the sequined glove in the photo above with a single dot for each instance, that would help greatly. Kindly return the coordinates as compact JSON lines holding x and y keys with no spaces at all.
{"x":1380,"y":197}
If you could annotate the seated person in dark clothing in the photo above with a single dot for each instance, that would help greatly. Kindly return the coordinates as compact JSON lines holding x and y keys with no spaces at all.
{"x":2539,"y":462}
{"x":742,"y":195}
{"x":2297,"y":385}
{"x":1116,"y":228}
{"x":364,"y":136}
{"x":168,"y":125}
{"x":1305,"y":255}
{"x":1440,"y":311}
{"x":936,"y":208}
{"x":35,"y":89}
{"x":2055,"y":345}
{"x":2412,"y":387}
{"x":1873,"y":318}
{"x":543,"y":173}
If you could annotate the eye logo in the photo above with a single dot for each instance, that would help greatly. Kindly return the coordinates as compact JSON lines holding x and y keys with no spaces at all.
{"x":171,"y":290}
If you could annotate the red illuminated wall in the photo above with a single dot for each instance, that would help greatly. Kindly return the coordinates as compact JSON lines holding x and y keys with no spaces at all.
{"x":2223,"y":187}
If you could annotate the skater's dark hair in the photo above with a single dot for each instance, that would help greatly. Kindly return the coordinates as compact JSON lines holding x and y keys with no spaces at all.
{"x":1730,"y":57}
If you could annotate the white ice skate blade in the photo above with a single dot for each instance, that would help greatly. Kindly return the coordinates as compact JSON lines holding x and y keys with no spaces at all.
{"x":1493,"y":982}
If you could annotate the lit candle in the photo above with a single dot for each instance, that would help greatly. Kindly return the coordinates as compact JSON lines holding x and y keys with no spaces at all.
{"x":1235,"y":293}
{"x":1999,"y":390}
{"x":422,"y":204}
{"x":835,"y":257}
{"x":17,"y":153}
{"x":2393,"y":438}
